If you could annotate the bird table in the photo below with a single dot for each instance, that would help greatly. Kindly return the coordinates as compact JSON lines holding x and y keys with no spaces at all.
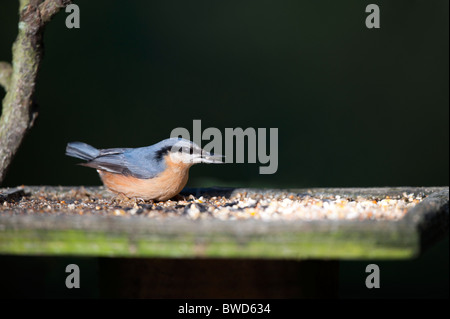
{"x":217,"y":242}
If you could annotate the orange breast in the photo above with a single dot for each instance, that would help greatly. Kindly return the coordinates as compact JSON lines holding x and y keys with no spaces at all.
{"x":162,"y":187}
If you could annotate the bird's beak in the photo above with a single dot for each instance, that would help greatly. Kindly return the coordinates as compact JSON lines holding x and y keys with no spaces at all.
{"x":211,"y":158}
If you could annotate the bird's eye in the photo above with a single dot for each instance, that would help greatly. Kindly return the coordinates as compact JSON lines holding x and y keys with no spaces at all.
{"x":180,"y":150}
{"x":191,"y":150}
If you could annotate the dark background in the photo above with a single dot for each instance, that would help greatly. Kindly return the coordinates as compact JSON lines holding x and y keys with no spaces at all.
{"x":354,"y":106}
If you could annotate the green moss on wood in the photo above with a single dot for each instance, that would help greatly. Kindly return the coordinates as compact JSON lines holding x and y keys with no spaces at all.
{"x":298,"y":245}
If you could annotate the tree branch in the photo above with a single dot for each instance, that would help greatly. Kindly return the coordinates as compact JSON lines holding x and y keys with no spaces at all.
{"x":18,"y":114}
{"x":5,"y":74}
{"x":49,"y":8}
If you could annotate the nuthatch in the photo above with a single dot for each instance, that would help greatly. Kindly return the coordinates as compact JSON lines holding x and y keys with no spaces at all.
{"x":156,"y":172}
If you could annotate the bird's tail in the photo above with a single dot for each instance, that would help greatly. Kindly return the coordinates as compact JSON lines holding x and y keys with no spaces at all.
{"x":82,"y":150}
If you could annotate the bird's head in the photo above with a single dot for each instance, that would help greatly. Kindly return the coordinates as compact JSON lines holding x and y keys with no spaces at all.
{"x":184,"y":151}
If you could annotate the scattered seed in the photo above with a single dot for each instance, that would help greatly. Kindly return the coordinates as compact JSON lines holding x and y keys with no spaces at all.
{"x":242,"y":206}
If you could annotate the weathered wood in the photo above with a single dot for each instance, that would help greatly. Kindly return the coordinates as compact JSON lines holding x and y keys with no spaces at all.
{"x":11,"y":194}
{"x":181,"y":237}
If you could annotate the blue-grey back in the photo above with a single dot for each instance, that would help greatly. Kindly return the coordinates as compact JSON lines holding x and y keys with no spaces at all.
{"x":143,"y":162}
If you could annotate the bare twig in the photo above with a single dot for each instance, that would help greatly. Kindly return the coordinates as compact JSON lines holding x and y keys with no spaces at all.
{"x":49,"y":8}
{"x":19,"y":81}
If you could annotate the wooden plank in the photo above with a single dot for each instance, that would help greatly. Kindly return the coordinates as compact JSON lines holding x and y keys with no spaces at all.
{"x":54,"y":234}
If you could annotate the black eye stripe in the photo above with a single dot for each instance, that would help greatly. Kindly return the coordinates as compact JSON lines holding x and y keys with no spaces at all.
{"x":163,"y":151}
{"x":160,"y":154}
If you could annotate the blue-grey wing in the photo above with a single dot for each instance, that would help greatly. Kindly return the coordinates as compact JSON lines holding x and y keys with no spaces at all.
{"x":128,"y":162}
{"x":113,"y":151}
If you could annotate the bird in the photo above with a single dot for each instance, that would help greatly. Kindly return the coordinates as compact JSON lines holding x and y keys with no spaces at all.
{"x":157,"y":172}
